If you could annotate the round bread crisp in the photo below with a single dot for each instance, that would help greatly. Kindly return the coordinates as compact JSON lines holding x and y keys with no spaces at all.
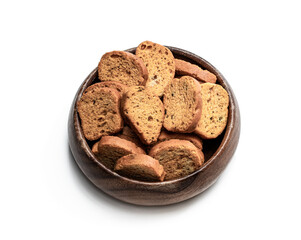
{"x":111,"y":148}
{"x":140,"y":167}
{"x":160,"y":65}
{"x":122,"y":67}
{"x":214,"y":111}
{"x":178,"y":157}
{"x":99,"y":111}
{"x":144,"y":112}
{"x":165,"y":135}
{"x":182,"y":103}
{"x":119,"y":87}
{"x":186,"y":68}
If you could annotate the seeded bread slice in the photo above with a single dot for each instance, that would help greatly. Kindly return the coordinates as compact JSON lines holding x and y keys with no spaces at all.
{"x":140,"y":167}
{"x":178,"y":157}
{"x":99,"y":111}
{"x":121,"y":88}
{"x":144,"y":112}
{"x":194,"y":139}
{"x":186,"y":68}
{"x":214,"y":111}
{"x":111,"y":148}
{"x":122,"y":67}
{"x":182,"y":103}
{"x":160,"y":64}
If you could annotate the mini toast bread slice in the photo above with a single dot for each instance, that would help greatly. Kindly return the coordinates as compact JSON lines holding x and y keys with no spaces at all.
{"x":140,"y":167}
{"x":182,"y":103}
{"x":186,"y":68}
{"x":178,"y":157}
{"x":111,"y":148}
{"x":144,"y":112}
{"x":119,"y":87}
{"x":128,"y":134}
{"x":160,"y":64}
{"x":214,"y":111}
{"x":123,"y":67}
{"x":165,"y":135}
{"x":99,"y":111}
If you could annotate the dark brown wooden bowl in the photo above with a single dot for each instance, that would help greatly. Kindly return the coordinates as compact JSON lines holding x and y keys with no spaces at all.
{"x":218,"y":153}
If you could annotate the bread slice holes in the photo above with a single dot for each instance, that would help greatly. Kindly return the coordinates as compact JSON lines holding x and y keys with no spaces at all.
{"x":143,"y":46}
{"x":137,"y":123}
{"x":149,"y":47}
{"x":150,"y":118}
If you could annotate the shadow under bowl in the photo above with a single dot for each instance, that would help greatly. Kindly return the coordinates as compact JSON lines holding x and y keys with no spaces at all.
{"x":218,"y":153}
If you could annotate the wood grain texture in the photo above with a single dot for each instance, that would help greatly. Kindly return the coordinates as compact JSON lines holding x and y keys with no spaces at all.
{"x":218,"y":153}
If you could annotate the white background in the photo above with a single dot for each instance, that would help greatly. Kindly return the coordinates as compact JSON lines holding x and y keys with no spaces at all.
{"x":47,"y":48}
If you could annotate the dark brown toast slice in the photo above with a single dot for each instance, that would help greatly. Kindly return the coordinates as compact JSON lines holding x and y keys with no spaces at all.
{"x":140,"y":167}
{"x":111,"y":148}
{"x":160,"y":65}
{"x":178,"y":157}
{"x":122,"y":67}
{"x":186,"y":68}
{"x":182,"y":103}
{"x":214,"y":111}
{"x":99,"y":111}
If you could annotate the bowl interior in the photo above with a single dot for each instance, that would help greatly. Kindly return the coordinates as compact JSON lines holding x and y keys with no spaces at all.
{"x":210,"y":147}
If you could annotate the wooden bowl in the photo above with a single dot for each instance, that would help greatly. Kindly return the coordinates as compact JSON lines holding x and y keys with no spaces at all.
{"x":218,"y":153}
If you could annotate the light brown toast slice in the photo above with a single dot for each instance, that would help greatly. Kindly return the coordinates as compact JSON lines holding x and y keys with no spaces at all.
{"x":140,"y":167}
{"x":128,"y":134}
{"x":182,"y":103}
{"x":160,"y":64}
{"x":178,"y":157}
{"x":165,"y":135}
{"x":111,"y":148}
{"x":144,"y":112}
{"x":95,"y":149}
{"x":186,"y":68}
{"x":119,"y":87}
{"x":214,"y":111}
{"x":122,"y":67}
{"x":99,"y":111}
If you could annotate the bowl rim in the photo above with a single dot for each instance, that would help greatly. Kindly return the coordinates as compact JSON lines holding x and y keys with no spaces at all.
{"x":226,"y":139}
